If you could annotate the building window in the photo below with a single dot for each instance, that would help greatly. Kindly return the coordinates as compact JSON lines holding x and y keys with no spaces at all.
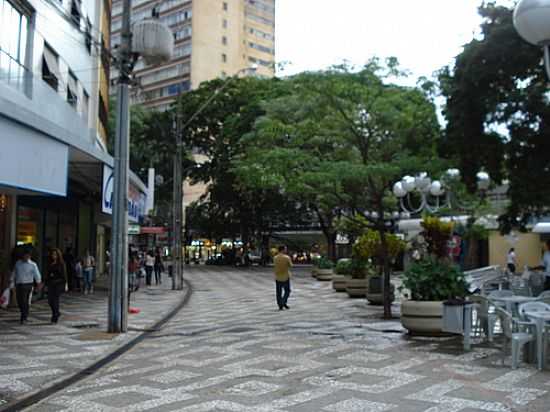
{"x":13,"y":43}
{"x":224,"y":40}
{"x":88,"y":36}
{"x":76,"y":12}
{"x":224,"y":23}
{"x":85,"y":107}
{"x":50,"y":67}
{"x":224,"y":58}
{"x":72,"y":90}
{"x":225,"y":7}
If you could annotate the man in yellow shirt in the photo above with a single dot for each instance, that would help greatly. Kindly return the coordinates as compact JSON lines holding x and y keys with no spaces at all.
{"x":282,"y":265}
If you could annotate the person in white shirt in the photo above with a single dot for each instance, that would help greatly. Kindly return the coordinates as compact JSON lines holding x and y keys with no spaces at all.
{"x":149,"y":266}
{"x":545,"y":265}
{"x":511,"y":261}
{"x":25,"y":275}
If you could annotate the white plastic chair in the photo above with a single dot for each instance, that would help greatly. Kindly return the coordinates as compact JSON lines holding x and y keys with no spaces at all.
{"x":518,"y":332}
{"x":532,"y":307}
{"x":545,"y":296}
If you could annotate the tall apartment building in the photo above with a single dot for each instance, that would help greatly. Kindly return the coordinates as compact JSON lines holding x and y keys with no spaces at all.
{"x":213,"y":38}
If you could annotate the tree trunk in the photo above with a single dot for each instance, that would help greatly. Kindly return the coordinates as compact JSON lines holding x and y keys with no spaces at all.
{"x":386,"y":284}
{"x":331,"y":242}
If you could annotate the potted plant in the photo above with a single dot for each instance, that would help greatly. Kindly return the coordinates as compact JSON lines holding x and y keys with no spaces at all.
{"x":342,"y":272}
{"x":430,"y":281}
{"x":360,"y":270}
{"x":369,"y":247}
{"x":324,"y":269}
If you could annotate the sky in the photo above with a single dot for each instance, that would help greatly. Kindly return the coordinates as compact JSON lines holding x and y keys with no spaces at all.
{"x":424,"y":35}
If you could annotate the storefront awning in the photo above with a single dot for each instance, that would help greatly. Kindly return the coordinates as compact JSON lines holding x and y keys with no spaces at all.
{"x":543,"y":227}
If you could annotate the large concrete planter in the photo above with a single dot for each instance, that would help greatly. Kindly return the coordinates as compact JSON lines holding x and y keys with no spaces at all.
{"x":314,"y":272}
{"x":356,"y":288}
{"x":339,"y":282}
{"x":374,"y":291}
{"x":422,"y":318}
{"x":324,"y":274}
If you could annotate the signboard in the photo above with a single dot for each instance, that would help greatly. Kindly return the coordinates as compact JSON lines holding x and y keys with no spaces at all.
{"x":136,"y":198}
{"x":152,"y":230}
{"x":133,"y":229}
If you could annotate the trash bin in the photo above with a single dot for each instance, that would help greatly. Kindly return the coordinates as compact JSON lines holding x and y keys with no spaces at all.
{"x":453,"y":316}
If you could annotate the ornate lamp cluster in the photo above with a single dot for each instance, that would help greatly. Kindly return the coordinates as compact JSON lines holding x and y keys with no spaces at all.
{"x":434,"y":194}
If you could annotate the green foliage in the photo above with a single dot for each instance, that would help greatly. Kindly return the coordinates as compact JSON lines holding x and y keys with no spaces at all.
{"x":324,"y":263}
{"x":433,"y":279}
{"x":476,"y":232}
{"x":361,"y":269}
{"x":343,"y":267}
{"x":498,"y":115}
{"x":437,"y":234}
{"x":369,"y":246}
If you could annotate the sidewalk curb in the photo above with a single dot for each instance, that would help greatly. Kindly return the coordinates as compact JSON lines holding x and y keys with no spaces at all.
{"x":41,"y":394}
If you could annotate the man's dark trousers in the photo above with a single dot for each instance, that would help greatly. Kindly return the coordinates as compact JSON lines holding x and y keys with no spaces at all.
{"x":283,"y":292}
{"x":23,"y":292}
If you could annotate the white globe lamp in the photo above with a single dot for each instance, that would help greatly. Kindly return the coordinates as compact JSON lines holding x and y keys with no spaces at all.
{"x":153,"y":41}
{"x":408,"y":183}
{"x":398,"y":190}
{"x":532,"y":22}
{"x":436,"y":188}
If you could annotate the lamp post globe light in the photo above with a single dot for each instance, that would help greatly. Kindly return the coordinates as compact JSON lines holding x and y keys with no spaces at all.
{"x":433,"y":194}
{"x":532,"y":22}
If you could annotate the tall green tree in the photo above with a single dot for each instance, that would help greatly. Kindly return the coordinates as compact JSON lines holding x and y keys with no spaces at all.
{"x":498,"y":114}
{"x":339,"y":141}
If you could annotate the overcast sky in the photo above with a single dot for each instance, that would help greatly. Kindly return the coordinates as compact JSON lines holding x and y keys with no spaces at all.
{"x":424,"y":35}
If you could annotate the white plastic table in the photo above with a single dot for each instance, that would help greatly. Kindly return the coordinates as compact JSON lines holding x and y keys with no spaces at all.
{"x":512,"y":302}
{"x":540,"y":318}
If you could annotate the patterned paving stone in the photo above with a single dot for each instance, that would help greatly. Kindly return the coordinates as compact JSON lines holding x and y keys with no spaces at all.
{"x":232,"y":350}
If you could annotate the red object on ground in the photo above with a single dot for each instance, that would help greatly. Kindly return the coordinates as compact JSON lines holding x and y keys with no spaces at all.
{"x":133,"y":310}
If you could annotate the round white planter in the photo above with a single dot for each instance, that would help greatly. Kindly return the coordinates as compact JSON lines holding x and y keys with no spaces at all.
{"x":339,"y":282}
{"x":356,"y":288}
{"x":374,"y":292}
{"x":324,"y":274}
{"x":422,"y":318}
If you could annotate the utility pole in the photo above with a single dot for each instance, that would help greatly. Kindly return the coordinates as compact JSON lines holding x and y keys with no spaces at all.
{"x":177,"y":273}
{"x":118,"y":294}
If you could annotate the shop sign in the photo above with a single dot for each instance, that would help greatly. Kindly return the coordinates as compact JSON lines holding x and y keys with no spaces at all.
{"x":342,"y":239}
{"x":152,"y":230}
{"x":136,"y":198}
{"x":133,"y":229}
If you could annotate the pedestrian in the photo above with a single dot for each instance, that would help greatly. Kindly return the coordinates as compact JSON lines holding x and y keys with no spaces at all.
{"x":69,"y":260}
{"x":78,"y":276}
{"x":159,"y":267}
{"x":133,"y":274}
{"x":545,"y":265}
{"x":88,"y":267}
{"x":282,"y":265}
{"x":25,"y":275}
{"x":149,"y":266}
{"x":56,"y":280}
{"x":511,"y":261}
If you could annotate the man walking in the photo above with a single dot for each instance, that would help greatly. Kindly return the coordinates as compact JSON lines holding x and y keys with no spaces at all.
{"x":25,"y":273}
{"x":282,"y":265}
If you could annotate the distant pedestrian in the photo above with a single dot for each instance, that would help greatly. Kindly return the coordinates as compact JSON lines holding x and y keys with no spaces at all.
{"x":69,"y":260}
{"x":511,"y":261}
{"x":88,"y":267}
{"x":282,"y":265}
{"x":78,"y":276}
{"x":56,"y":280}
{"x":159,"y":267}
{"x":149,"y":266}
{"x":133,"y":274}
{"x":25,"y":275}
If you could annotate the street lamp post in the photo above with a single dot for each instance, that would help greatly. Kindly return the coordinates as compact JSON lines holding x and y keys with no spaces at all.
{"x":532,"y":21}
{"x":433,"y":195}
{"x":179,"y":131}
{"x":154,"y":42}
